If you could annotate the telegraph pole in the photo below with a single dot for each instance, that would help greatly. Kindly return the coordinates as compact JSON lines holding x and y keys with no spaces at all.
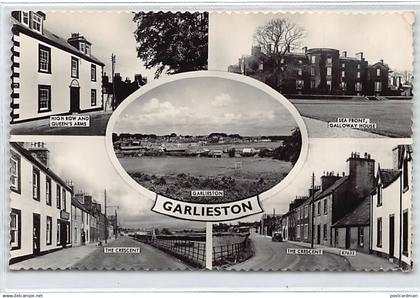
{"x":106,"y":221}
{"x":113,"y":59}
{"x":313,"y":210}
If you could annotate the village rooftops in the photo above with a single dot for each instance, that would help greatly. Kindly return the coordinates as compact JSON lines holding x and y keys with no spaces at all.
{"x":342,"y":182}
{"x":388,"y":176}
{"x":54,"y":40}
{"x":40,"y":165}
{"x":358,"y":217}
{"x":76,"y":203}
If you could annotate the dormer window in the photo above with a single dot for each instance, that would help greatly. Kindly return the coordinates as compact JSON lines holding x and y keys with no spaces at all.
{"x":25,"y":18}
{"x":83,"y":47}
{"x":36,"y":22}
{"x":87,"y":49}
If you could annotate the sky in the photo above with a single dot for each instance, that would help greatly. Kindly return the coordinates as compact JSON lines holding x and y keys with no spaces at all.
{"x":387,"y":36}
{"x":86,"y":163}
{"x":109,"y":32}
{"x":200,"y":106}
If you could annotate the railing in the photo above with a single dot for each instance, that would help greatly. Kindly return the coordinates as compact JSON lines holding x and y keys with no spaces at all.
{"x":230,"y":252}
{"x":192,"y":252}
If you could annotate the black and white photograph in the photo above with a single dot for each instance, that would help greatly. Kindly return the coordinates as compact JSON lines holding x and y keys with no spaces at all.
{"x":182,"y":138}
{"x":70,"y":210}
{"x":71,"y":70}
{"x":350,"y":210}
{"x":349,"y":75}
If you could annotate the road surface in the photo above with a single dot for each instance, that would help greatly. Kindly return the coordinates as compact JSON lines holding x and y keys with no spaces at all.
{"x":271,"y":255}
{"x":149,"y":258}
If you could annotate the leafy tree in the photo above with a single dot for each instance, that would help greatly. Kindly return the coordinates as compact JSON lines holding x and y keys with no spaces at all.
{"x":276,"y":39}
{"x":172,"y":42}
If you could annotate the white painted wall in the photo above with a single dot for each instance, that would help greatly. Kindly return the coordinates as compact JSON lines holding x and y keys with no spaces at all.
{"x":59,"y":80}
{"x":27,"y":205}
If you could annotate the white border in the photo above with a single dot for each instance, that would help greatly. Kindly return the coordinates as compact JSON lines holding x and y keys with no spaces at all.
{"x":148,"y":194}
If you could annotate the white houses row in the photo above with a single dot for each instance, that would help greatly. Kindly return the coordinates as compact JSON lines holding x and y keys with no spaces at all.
{"x":40,"y":203}
{"x":51,"y":75}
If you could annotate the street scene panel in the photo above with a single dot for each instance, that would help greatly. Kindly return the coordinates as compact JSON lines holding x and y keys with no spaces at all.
{"x":183,"y":138}
{"x":357,"y":217}
{"x":357,"y":86}
{"x":72,"y":70}
{"x":65,"y":218}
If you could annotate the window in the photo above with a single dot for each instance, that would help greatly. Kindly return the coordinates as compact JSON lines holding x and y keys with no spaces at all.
{"x":361,"y":237}
{"x":379,"y":195}
{"x":74,"y":67}
{"x":25,"y":18}
{"x":49,"y":230}
{"x":15,"y":229}
{"x":343,"y":74}
{"x":306,"y":231}
{"x":312,"y":84}
{"x":378,"y":72}
{"x":313,"y":59}
{"x":93,"y":97}
{"x":358,"y":74}
{"x":300,"y":61}
{"x":378,"y":86}
{"x":58,"y":197}
{"x":63,"y":197}
{"x":379,"y":232}
{"x":306,"y":211}
{"x":329,"y":85}
{"x":298,"y":231}
{"x":83,"y":47}
{"x":405,"y":233}
{"x":58,"y":232}
{"x":329,"y":60}
{"x":299,"y":84}
{"x":15,"y":172}
{"x":298,"y":213}
{"x":343,"y":65}
{"x":319,"y":208}
{"x":93,"y":72}
{"x":405,"y":175}
{"x":48,"y":190}
{"x":282,"y":60}
{"x":325,"y":232}
{"x":37,"y":22}
{"x":299,"y":71}
{"x":44,"y":59}
{"x":87,"y":49}
{"x":312,"y":71}
{"x":261,"y":66}
{"x":68,"y":233}
{"x":358,"y":86}
{"x":329,"y":71}
{"x":325,"y":206}
{"x":358,"y":66}
{"x":44,"y":98}
{"x":35,"y":184}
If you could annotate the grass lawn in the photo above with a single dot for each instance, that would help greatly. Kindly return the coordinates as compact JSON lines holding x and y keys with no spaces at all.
{"x":392,"y":117}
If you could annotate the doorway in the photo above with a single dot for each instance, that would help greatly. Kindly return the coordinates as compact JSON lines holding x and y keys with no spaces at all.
{"x":348,"y":236}
{"x":318,"y":234}
{"x":63,"y":233}
{"x":391,"y":236}
{"x":36,"y":234}
{"x":74,"y":99}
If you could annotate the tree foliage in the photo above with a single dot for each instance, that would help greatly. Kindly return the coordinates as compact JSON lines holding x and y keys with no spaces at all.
{"x":172,"y":43}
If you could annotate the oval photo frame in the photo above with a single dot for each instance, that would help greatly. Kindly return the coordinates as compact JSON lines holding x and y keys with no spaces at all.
{"x":149,"y":194}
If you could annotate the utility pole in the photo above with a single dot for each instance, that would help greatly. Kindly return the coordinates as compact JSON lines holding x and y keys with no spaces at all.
{"x":116,"y":224}
{"x":106,"y":221}
{"x":113,"y":103}
{"x":313,"y":210}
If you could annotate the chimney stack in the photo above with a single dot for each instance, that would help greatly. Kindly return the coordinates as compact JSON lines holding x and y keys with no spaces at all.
{"x":328,"y":180}
{"x":344,"y":54}
{"x":40,"y":152}
{"x":360,"y":56}
{"x":361,"y":172}
{"x":304,"y":50}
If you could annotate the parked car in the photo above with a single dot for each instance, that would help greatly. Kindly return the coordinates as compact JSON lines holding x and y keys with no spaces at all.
{"x":277,"y":237}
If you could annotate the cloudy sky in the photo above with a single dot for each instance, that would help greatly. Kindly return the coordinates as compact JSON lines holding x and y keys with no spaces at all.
{"x":200,"y":106}
{"x":109,"y":32}
{"x":87,"y":164}
{"x":380,"y":36}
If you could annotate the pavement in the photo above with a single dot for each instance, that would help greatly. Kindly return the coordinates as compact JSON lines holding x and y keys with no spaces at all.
{"x":98,"y":123}
{"x":60,"y":259}
{"x":92,"y":257}
{"x":150,"y":258}
{"x":319,"y":129}
{"x":272,"y":256}
{"x":360,"y":262}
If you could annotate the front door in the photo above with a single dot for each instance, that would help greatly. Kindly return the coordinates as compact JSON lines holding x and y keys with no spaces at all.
{"x":391,"y":236}
{"x":63,"y":233}
{"x":318,"y":234}
{"x":74,"y":99}
{"x":348,"y":236}
{"x":36,"y":234}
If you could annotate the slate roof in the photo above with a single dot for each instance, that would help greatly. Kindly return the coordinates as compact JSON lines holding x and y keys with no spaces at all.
{"x":337,"y":184}
{"x":358,"y":217}
{"x":55,"y":40}
{"x":75,"y":202}
{"x":388,"y":176}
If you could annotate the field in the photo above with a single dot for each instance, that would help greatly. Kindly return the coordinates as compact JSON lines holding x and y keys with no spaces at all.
{"x":392,"y":117}
{"x":175,"y":177}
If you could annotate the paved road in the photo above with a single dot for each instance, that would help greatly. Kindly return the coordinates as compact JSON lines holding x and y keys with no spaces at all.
{"x":98,"y":123}
{"x":149,"y":258}
{"x":271,"y":255}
